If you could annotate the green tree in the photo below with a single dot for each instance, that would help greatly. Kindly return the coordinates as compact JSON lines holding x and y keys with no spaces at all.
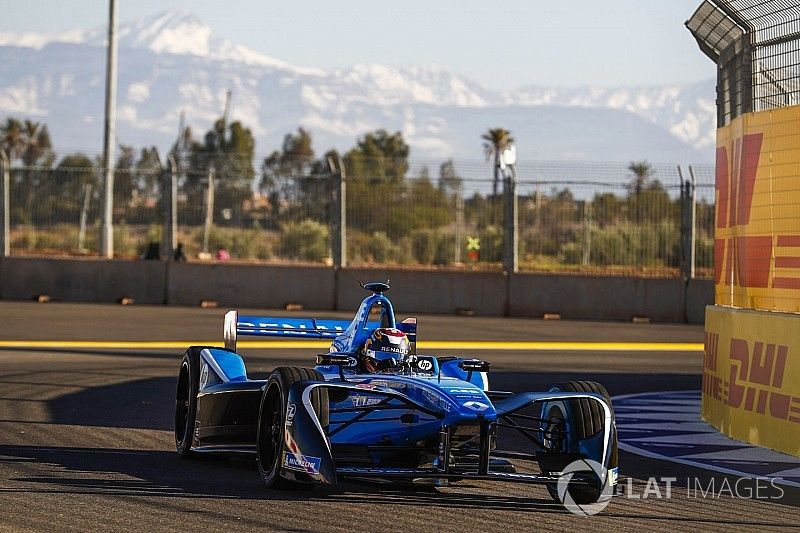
{"x":12,"y":138}
{"x":148,"y":174}
{"x":642,"y":171}
{"x":376,"y":191}
{"x":124,"y":176}
{"x":608,"y":209}
{"x":66,"y":192}
{"x":38,"y":148}
{"x":449,"y":180}
{"x":496,"y":140}
{"x":297,"y":184}
{"x":229,"y":149}
{"x":37,"y":157}
{"x":282,"y":170}
{"x":378,"y":156}
{"x":75,"y":171}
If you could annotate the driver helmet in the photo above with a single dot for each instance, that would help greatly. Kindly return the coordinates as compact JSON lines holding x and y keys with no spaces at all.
{"x":385,"y":349}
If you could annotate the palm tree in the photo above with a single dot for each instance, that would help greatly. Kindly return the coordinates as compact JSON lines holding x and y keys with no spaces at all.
{"x":12,"y":138}
{"x":642,"y":171}
{"x":35,"y":150}
{"x":496,"y":140}
{"x":36,"y":143}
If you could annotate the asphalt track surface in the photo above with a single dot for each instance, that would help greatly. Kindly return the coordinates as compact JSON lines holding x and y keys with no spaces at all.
{"x":86,"y":434}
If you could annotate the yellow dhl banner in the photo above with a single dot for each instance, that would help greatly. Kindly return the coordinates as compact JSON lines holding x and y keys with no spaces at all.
{"x":751,"y":376}
{"x":757,"y":232}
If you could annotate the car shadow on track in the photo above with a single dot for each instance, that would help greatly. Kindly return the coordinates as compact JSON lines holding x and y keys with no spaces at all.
{"x":160,"y":474}
{"x":149,"y":403}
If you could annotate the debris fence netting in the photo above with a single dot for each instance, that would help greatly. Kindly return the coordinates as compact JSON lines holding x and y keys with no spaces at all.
{"x":572,"y":216}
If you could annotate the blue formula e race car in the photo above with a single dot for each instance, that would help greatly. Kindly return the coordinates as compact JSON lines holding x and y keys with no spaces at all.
{"x":374,"y":409}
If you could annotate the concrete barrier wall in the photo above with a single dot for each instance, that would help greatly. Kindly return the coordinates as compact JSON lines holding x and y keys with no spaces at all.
{"x":597,"y":297}
{"x":699,"y":294}
{"x":322,"y":288}
{"x":251,"y":285}
{"x":82,"y":280}
{"x":429,"y":291}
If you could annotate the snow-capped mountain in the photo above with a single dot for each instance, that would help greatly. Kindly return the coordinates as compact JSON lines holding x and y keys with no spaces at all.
{"x":170,"y":32}
{"x":687,"y":111}
{"x":173,"y":62}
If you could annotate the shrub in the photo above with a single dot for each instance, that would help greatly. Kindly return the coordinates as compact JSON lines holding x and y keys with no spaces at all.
{"x":572,"y":253}
{"x":376,"y":247}
{"x":491,"y":241}
{"x":704,"y":252}
{"x":306,"y":240}
{"x":432,"y":247}
{"x":423,"y":246}
{"x":630,"y":244}
{"x":241,"y":243}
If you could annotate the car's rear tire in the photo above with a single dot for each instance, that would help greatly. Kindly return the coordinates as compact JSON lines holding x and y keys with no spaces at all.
{"x":270,"y":441}
{"x":186,"y":400}
{"x":587,"y":418}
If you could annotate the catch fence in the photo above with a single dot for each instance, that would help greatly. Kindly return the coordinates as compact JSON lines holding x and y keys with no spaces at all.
{"x":572,"y":217}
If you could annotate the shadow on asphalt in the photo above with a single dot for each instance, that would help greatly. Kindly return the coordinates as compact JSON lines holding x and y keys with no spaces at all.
{"x":163,"y":474}
{"x":149,"y":354}
{"x":149,"y":403}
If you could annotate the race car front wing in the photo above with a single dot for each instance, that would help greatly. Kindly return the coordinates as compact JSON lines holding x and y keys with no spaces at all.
{"x":309,"y":457}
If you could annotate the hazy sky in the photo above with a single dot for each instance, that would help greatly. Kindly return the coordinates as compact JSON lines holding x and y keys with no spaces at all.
{"x":501,"y":44}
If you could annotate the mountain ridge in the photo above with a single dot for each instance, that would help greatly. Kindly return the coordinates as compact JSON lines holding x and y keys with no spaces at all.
{"x":172,"y":61}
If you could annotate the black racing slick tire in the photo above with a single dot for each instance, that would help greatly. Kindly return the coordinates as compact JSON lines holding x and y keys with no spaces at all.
{"x":186,"y":400}
{"x":270,"y":441}
{"x":587,"y":415}
{"x":587,"y":420}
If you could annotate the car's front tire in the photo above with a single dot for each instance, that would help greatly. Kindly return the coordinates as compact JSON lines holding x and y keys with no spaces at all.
{"x":186,"y":400}
{"x":270,"y":442}
{"x":586,"y":418}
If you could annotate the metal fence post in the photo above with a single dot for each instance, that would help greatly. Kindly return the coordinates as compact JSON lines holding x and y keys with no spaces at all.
{"x":338,"y":213}
{"x":511,"y":219}
{"x":587,"y":233}
{"x":5,"y":205}
{"x":459,"y":223}
{"x":87,"y":197}
{"x":170,"y":195}
{"x":687,"y":201}
{"x":209,"y":208}
{"x":109,"y":138}
{"x":692,"y":225}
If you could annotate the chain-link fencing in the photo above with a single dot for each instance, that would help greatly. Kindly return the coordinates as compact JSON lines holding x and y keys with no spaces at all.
{"x":575,"y":217}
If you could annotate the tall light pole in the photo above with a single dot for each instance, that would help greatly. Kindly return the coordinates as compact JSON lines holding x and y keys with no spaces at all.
{"x":107,"y":241}
{"x":508,"y":160}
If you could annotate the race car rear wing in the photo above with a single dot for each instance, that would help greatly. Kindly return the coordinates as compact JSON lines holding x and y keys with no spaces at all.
{"x":259,"y":326}
{"x":297,"y":328}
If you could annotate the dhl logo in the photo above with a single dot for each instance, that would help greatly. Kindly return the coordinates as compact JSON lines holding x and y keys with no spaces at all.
{"x":746,"y":260}
{"x":756,"y":378}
